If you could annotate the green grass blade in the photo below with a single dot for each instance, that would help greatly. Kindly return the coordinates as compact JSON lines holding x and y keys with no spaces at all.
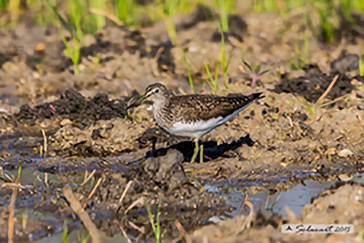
{"x":188,"y":71}
{"x":65,"y":233}
{"x":65,"y":24}
{"x":158,"y":239}
{"x":213,"y":82}
{"x":223,"y":58}
{"x":151,"y":218}
{"x":223,"y":16}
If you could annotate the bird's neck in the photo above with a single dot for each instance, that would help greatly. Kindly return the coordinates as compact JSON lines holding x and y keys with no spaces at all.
{"x":160,"y":104}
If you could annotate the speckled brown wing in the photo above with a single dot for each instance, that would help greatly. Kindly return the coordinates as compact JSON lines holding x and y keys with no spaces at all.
{"x":192,"y":108}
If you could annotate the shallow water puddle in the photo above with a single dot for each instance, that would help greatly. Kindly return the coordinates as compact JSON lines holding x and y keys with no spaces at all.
{"x":30,"y":176}
{"x":295,"y":198}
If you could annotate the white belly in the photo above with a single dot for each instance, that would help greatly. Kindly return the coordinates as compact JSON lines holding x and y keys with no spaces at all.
{"x":194,"y":129}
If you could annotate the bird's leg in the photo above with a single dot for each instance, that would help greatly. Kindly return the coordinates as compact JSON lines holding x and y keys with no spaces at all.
{"x":195,"y":151}
{"x":201,"y":153}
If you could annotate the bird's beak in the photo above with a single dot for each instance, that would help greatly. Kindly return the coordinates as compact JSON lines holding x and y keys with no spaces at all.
{"x":140,"y":100}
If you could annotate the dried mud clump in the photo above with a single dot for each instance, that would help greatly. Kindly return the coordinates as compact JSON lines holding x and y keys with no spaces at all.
{"x":314,"y":84}
{"x":166,"y":172}
{"x":80,"y":111}
{"x":345,"y":63}
{"x":101,"y":138}
{"x":342,"y":206}
{"x":156,"y":135}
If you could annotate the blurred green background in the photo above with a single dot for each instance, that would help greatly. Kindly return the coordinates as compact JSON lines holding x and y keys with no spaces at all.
{"x":91,"y":15}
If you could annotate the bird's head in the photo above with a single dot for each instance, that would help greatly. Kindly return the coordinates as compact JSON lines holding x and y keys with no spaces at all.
{"x":155,"y":92}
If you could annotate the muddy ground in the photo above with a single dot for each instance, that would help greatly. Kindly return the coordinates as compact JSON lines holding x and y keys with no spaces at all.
{"x":72,"y":130}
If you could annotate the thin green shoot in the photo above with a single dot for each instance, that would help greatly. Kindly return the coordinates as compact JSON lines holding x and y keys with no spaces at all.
{"x":74,"y":28}
{"x":158,"y":219}
{"x":3,"y":4}
{"x":309,"y":106}
{"x":270,"y":5}
{"x":266,"y":203}
{"x":72,"y":52}
{"x":155,"y":226}
{"x":327,"y":28}
{"x":97,"y":20}
{"x":85,"y":237}
{"x":223,"y":16}
{"x":257,"y":6}
{"x":188,"y":71}
{"x":23,"y":218}
{"x":273,"y":204}
{"x":277,"y":199}
{"x":19,"y":172}
{"x":224,"y":63}
{"x":14,"y":8}
{"x":124,"y":10}
{"x":170,"y":7}
{"x":212,"y":80}
{"x":65,"y":233}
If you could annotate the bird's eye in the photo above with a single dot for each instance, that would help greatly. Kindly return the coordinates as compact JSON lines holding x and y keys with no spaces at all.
{"x":156,"y":90}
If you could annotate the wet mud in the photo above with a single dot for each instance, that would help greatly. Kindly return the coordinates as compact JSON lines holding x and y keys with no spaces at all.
{"x":67,"y":130}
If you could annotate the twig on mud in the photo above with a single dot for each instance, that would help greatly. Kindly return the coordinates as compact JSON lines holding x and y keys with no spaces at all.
{"x":82,"y":214}
{"x":140,"y":229}
{"x":92,"y":192}
{"x":291,"y":216}
{"x":5,"y":177}
{"x":11,"y":184}
{"x":11,"y":209}
{"x":158,"y":54}
{"x":139,"y":201}
{"x":123,"y":195}
{"x":45,"y":146}
{"x":249,"y":218}
{"x":46,"y":180}
{"x":107,"y":15}
{"x":327,"y":90}
{"x":124,"y":233}
{"x":88,"y":178}
{"x":332,"y":101}
{"x":183,"y":231}
{"x":2,"y":172}
{"x":11,"y":215}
